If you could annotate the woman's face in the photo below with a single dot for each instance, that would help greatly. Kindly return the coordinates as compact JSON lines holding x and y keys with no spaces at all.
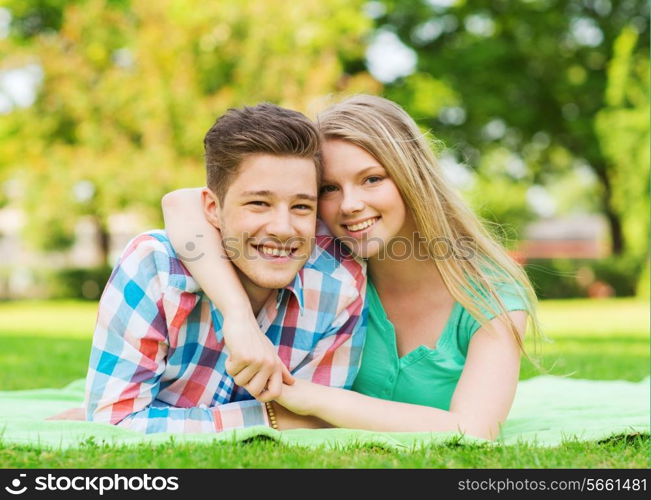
{"x":358,"y":201}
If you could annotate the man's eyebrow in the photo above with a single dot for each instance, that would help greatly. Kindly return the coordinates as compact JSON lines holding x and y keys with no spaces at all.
{"x":269,"y":194}
{"x":257,"y":193}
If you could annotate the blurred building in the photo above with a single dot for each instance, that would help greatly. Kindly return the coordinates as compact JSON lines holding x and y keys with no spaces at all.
{"x":570,"y":237}
{"x":23,"y":269}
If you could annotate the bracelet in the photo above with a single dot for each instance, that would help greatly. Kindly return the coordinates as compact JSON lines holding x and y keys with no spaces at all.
{"x":272,"y":415}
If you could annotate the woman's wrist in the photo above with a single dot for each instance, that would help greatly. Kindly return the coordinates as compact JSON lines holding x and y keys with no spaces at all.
{"x":318,"y":401}
{"x":285,"y":419}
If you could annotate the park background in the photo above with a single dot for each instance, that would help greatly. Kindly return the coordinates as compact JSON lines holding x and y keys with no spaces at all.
{"x":539,"y":108}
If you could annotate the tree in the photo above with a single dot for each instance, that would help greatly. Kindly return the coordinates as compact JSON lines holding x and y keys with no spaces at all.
{"x":623,"y":130}
{"x":526,"y":75}
{"x":130,"y":88}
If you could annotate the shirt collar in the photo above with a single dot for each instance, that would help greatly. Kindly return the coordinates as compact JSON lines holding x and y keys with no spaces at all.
{"x":295,"y":287}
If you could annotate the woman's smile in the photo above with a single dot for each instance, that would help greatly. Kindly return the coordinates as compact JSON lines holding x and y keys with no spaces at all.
{"x":358,"y":228}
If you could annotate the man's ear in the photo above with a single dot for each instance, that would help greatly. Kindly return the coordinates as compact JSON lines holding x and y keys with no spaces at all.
{"x":211,"y":207}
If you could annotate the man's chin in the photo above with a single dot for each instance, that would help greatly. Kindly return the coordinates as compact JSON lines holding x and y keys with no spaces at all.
{"x":273,"y":278}
{"x":274,"y":283}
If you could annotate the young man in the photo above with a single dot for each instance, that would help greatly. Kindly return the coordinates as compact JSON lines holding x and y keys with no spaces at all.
{"x":159,"y":356}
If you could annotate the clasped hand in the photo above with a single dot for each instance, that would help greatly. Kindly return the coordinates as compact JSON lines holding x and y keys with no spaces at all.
{"x":253,"y":361}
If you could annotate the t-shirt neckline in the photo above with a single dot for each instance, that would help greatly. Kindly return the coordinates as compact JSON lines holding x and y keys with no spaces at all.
{"x":389,"y":331}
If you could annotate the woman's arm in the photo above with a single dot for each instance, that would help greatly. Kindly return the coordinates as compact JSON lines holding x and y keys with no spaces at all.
{"x":197,"y":241}
{"x":287,"y":420}
{"x":253,"y":361}
{"x":481,"y":401}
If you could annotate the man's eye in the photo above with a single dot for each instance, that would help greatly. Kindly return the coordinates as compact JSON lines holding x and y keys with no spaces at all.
{"x":303,"y":207}
{"x":258,"y":203}
{"x":327,"y":189}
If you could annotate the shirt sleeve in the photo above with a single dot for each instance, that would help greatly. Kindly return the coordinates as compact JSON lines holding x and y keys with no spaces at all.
{"x":514,"y":300}
{"x":129,"y":351}
{"x":336,"y":358}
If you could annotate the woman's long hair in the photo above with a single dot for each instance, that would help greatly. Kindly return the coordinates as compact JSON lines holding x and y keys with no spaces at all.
{"x":477,"y":279}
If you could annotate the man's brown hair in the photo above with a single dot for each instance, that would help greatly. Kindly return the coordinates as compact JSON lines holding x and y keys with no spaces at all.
{"x":265,"y":128}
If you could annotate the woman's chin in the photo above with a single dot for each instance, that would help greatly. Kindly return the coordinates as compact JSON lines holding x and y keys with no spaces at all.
{"x":364,"y":250}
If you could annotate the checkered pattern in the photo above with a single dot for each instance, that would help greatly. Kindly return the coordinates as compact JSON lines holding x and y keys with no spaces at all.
{"x":158,"y":357}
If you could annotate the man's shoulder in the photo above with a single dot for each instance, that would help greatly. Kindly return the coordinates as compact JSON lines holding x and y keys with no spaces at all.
{"x":154,"y":246}
{"x":335,"y":261}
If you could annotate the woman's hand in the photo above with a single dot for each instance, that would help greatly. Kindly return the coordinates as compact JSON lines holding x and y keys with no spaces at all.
{"x":300,"y":397}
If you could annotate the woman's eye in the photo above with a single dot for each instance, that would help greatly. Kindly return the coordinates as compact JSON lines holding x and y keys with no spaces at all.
{"x":327,"y":189}
{"x":373,"y":179}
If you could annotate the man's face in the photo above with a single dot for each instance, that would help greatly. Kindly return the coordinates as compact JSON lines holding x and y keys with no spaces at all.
{"x":268,"y":218}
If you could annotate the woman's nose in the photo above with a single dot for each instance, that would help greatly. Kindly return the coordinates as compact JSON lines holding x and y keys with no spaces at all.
{"x":351,"y":203}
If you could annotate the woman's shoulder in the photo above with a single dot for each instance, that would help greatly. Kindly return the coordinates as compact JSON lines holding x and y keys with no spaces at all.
{"x":495,"y":286}
{"x":487,"y":298}
{"x":322,"y":229}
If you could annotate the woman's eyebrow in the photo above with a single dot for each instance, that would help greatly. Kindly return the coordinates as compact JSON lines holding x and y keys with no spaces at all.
{"x":325,"y":180}
{"x":364,"y":170}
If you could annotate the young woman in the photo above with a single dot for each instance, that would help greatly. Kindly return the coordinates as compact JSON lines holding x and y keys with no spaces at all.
{"x":448,"y":308}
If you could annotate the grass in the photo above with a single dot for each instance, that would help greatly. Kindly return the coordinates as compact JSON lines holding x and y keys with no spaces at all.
{"x":606,"y":339}
{"x":46,"y":344}
{"x":630,"y":452}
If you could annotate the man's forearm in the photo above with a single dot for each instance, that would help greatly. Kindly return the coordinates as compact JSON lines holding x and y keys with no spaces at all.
{"x":152,"y":419}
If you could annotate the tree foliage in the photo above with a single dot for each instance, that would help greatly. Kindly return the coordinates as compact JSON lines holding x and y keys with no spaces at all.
{"x":623,"y":130}
{"x":529,"y":76}
{"x":526,"y":92}
{"x":130,"y":88}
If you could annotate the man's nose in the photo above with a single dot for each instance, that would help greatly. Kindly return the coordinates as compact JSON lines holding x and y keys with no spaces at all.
{"x":280,"y":225}
{"x":351,"y":203}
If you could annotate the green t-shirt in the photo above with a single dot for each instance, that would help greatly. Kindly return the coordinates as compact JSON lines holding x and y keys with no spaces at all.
{"x":424,"y":376}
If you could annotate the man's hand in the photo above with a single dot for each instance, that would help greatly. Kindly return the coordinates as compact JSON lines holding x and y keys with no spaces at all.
{"x":253,"y":362}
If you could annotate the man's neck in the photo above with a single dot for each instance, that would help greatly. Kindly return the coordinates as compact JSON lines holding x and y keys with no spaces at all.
{"x":257,"y":295}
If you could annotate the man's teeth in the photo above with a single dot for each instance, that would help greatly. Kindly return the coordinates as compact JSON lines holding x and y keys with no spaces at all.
{"x":362,"y":225}
{"x":276,"y":252}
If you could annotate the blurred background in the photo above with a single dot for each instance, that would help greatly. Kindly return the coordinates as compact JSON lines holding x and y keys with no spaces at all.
{"x":541,"y":108}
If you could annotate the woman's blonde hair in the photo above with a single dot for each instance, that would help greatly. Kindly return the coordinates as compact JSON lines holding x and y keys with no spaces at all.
{"x":390,"y":135}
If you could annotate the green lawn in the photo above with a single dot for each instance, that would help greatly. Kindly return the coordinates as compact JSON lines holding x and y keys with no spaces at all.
{"x":46,"y":344}
{"x":605,"y":339}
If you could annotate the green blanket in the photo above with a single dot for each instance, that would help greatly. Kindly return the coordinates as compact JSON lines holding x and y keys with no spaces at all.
{"x":547,"y":411}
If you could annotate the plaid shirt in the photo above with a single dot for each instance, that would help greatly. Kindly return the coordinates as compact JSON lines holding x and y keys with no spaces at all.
{"x":157,"y":362}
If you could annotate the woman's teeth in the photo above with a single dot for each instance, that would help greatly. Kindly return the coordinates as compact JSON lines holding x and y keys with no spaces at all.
{"x":276,"y":252}
{"x":362,"y":225}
